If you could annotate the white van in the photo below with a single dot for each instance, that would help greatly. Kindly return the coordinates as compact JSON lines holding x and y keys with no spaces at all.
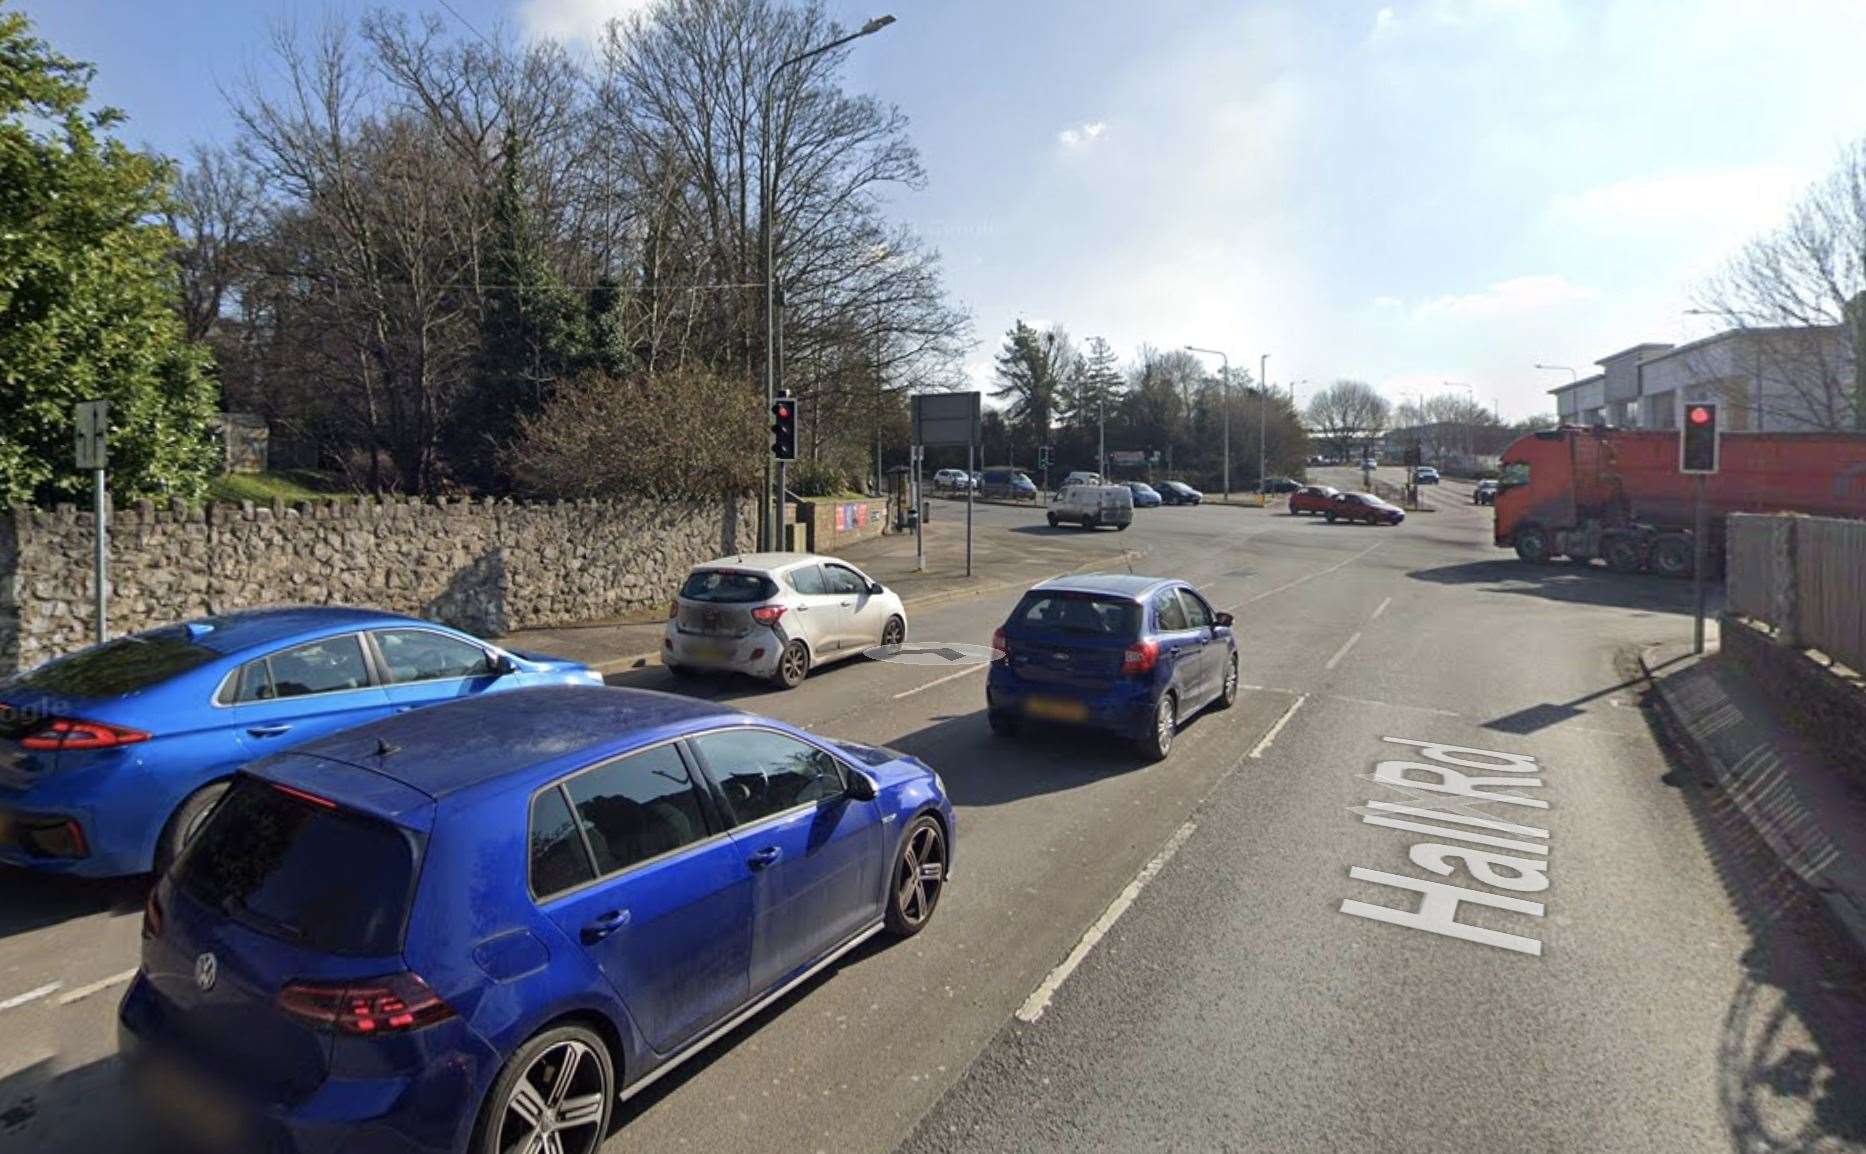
{"x":1093,"y":505}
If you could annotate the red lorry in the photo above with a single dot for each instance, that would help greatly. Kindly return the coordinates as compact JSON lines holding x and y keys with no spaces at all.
{"x":1618,"y":494}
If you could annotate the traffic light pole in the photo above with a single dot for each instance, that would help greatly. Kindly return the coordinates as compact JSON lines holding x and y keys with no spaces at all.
{"x":1701,"y":541}
{"x":970,"y":464}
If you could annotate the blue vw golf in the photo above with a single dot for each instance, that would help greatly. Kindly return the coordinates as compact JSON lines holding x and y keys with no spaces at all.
{"x":1136,"y":655}
{"x":111,"y":757}
{"x":479,"y":926}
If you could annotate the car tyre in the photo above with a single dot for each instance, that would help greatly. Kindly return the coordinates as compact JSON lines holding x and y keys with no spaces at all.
{"x":562,"y":1073}
{"x":1002,"y":723}
{"x":1053,"y":521}
{"x":684,"y":672}
{"x":1674,"y":556}
{"x":1158,"y":740}
{"x":1228,"y":694}
{"x":894,"y":632}
{"x":918,"y":878}
{"x":793,"y":665}
{"x":186,"y":822}
{"x":1532,"y":545}
{"x":1622,"y":555}
{"x":1331,"y":515}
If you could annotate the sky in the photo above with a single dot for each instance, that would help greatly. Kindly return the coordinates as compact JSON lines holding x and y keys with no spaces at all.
{"x":1430,"y":195}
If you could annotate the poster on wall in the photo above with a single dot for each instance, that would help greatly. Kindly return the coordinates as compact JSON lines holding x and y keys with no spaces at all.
{"x":842,"y":518}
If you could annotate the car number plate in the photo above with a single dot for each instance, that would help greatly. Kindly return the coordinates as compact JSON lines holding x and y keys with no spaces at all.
{"x":1053,"y":709}
{"x":709,"y":651}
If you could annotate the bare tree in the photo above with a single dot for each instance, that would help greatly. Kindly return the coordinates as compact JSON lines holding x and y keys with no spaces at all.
{"x":1349,"y":415}
{"x":1798,"y":295}
{"x":216,"y":211}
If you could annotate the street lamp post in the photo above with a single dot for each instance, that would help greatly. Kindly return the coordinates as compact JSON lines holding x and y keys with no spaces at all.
{"x":773,"y":514}
{"x":1224,"y":376}
{"x":1263,"y":420}
{"x":1569,"y":369}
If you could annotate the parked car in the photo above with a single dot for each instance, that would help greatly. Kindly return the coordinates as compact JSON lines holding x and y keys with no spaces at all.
{"x":1007,"y":485}
{"x":1281,"y":485}
{"x":1179,"y":493}
{"x":1145,"y":495}
{"x":1485,"y":493}
{"x":1425,"y":475}
{"x":949,"y":479}
{"x":1369,"y":463}
{"x":1079,"y":477}
{"x":110,"y":758}
{"x":1092,"y":506}
{"x":521,"y":913}
{"x":1313,"y":499}
{"x":1365,"y":508}
{"x":1133,"y":655}
{"x":777,"y":615}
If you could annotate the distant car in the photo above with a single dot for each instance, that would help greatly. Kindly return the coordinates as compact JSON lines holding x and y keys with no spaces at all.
{"x":1365,"y":508}
{"x":977,"y":479}
{"x":1179,"y":493}
{"x":1313,"y":499}
{"x":777,"y":616}
{"x":1092,"y":506}
{"x":111,"y":758}
{"x":1369,"y":463}
{"x":1281,"y":485}
{"x":1007,"y":485}
{"x":1425,"y":475}
{"x":1134,"y":655}
{"x":513,"y":918}
{"x":1485,"y":493}
{"x":950,"y":479}
{"x":1145,"y":495}
{"x":1079,"y":477}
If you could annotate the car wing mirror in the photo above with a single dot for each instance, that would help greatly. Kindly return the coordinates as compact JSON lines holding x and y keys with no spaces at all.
{"x":1222,"y":620}
{"x":876,"y":587}
{"x":502,"y":665}
{"x":861,"y":787}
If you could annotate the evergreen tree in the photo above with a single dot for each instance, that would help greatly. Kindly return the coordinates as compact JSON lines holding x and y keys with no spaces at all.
{"x":88,"y":289}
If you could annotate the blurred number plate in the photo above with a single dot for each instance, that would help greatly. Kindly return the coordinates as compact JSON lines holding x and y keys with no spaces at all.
{"x":706,"y":652}
{"x":1054,"y":710}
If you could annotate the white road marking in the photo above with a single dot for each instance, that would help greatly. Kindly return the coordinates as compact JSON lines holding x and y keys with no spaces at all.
{"x":1039,"y":999}
{"x":1257,"y":751}
{"x":71,"y":996}
{"x":1300,"y":580}
{"x":1393,"y":705}
{"x":31,"y":995}
{"x":939,"y":681}
{"x":1342,"y":652}
{"x":1382,"y":609}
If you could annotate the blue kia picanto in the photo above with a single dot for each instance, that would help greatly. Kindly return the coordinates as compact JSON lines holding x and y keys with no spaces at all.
{"x":110,"y":758}
{"x":479,"y":926}
{"x":1135,"y":655}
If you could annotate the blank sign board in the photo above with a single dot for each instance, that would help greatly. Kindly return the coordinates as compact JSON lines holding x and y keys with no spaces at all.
{"x":946,"y":418}
{"x":92,"y":419}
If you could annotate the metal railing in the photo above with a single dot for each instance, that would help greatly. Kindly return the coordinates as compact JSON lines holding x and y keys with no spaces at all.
{"x":1805,"y":577}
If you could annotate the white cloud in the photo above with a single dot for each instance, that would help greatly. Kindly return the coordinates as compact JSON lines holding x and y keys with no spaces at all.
{"x":1385,"y":21}
{"x":1743,"y":200}
{"x":1387,"y":302}
{"x":572,"y":20}
{"x":1082,"y":135}
{"x":1518,"y":296}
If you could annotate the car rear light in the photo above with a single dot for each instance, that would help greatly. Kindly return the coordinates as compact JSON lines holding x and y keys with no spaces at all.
{"x":385,"y":1005}
{"x":767,"y":614}
{"x":301,"y":795}
{"x":1002,"y":645}
{"x":53,"y":837}
{"x":152,"y":916}
{"x":1140,"y":657}
{"x":673,"y":610}
{"x":71,"y":733}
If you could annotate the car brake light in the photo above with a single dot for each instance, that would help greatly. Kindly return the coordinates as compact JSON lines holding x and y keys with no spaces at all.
{"x":1002,"y":644}
{"x":70,"y":733}
{"x":1140,"y":657}
{"x":301,"y":795}
{"x":673,"y":610}
{"x":385,"y":1005}
{"x":152,"y":916}
{"x":767,"y":614}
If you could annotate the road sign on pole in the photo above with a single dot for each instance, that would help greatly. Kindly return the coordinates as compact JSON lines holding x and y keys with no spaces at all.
{"x":92,"y":422}
{"x":946,"y":418}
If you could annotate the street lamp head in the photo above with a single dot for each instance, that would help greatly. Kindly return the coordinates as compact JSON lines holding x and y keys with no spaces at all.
{"x":875,"y":25}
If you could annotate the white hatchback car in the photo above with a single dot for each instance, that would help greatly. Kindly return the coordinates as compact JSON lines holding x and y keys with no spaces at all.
{"x":776,"y":615}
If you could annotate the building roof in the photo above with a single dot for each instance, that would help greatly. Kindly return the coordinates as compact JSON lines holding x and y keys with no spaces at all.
{"x":1596,"y":379}
{"x":1733,"y":334}
{"x":1639,"y":348}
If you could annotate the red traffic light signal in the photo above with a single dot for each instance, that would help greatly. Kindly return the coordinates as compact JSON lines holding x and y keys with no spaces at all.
{"x":1697,"y":449}
{"x":1701,"y":415}
{"x":784,"y":429}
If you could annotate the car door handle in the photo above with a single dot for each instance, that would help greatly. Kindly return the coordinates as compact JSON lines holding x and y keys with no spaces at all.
{"x":403,"y":708}
{"x":604,"y":925}
{"x":268,"y":730}
{"x":767,"y":856}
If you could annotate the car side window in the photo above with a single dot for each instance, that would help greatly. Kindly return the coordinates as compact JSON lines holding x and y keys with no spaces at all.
{"x":328,"y":666}
{"x":845,"y":580}
{"x":1167,"y":612}
{"x":638,"y":807}
{"x":762,"y":773}
{"x":809,"y":581}
{"x":1198,"y":613}
{"x":253,"y":683}
{"x":558,"y":860}
{"x":424,"y":655}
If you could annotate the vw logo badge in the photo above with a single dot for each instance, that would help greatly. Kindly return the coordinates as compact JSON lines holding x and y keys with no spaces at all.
{"x":206,"y":972}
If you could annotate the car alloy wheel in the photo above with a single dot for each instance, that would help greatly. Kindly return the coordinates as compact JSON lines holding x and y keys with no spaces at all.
{"x":793,"y":665}
{"x":1159,"y":740}
{"x":894,"y":632}
{"x":919,"y":877}
{"x":558,"y":1104}
{"x":1230,"y":693}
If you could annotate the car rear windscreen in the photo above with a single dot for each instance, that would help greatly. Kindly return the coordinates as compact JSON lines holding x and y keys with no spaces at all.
{"x":1083,"y":614}
{"x":727,"y":587}
{"x":118,"y":667}
{"x":302,"y":870}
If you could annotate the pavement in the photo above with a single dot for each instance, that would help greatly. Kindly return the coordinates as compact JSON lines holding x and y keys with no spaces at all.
{"x":1187,"y":955}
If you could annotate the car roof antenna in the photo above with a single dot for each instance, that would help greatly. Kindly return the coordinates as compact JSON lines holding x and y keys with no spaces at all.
{"x":384,"y":749}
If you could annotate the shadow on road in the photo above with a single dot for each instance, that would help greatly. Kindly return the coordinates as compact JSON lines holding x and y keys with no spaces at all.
{"x":981,"y":768}
{"x":1575,"y":583}
{"x":44,"y":1110}
{"x":30,"y":901}
{"x":1538,"y":717}
{"x":1778,"y":1094}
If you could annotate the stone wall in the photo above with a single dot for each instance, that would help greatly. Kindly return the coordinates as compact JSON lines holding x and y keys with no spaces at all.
{"x":1825,"y":703}
{"x":484,"y":566}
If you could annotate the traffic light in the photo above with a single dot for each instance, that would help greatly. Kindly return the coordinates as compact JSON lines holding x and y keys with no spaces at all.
{"x":784,"y":428}
{"x":1698,"y":442}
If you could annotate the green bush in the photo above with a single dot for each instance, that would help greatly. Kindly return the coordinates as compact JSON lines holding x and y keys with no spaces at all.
{"x":816,"y":479}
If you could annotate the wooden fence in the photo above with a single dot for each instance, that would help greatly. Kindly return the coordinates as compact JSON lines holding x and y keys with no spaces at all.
{"x":1804,"y":576}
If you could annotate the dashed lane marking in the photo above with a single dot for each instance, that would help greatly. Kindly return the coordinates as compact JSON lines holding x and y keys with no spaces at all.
{"x":1342,"y":652}
{"x":1310,"y":577}
{"x":1382,"y":609}
{"x":18,"y":1000}
{"x":101,"y":984}
{"x":1257,"y":752}
{"x":938,"y":681}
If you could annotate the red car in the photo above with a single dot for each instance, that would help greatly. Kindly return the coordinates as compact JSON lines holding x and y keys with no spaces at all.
{"x":1364,"y":507}
{"x":1313,"y":499}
